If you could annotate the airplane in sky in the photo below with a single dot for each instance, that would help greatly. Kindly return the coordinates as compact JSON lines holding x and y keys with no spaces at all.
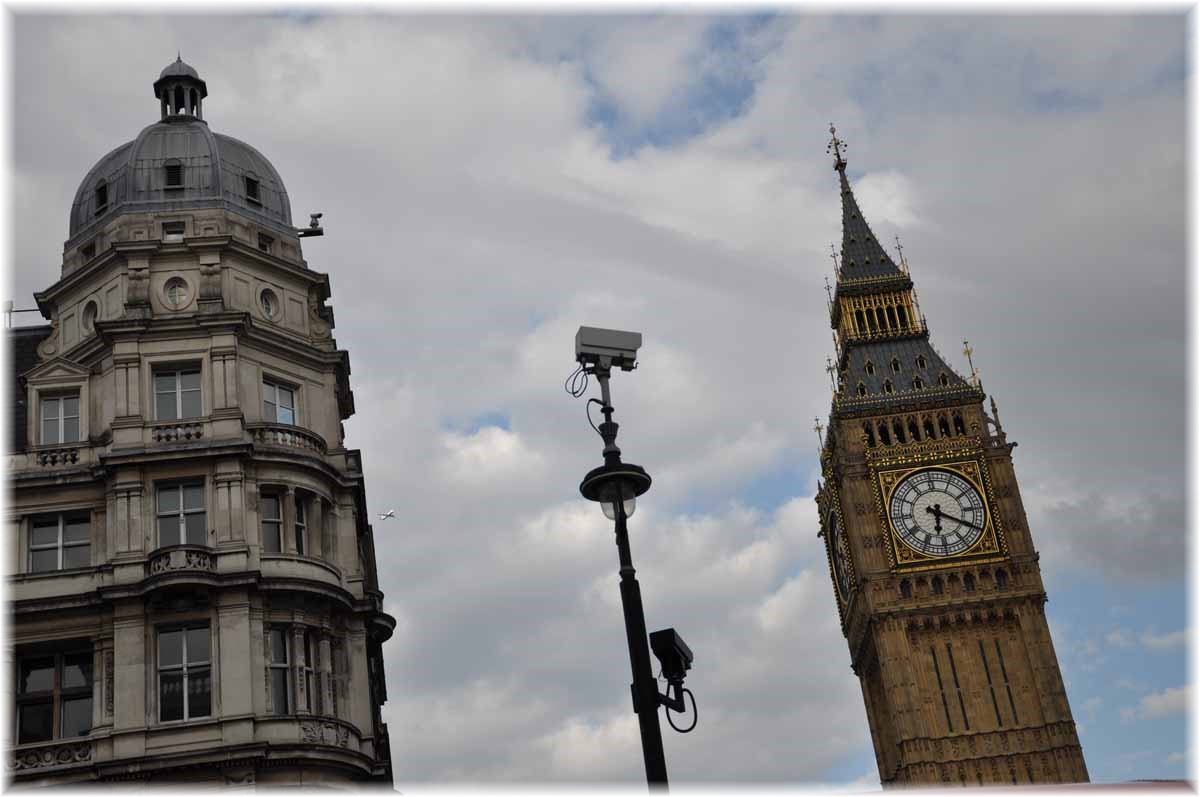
{"x":387,"y":514}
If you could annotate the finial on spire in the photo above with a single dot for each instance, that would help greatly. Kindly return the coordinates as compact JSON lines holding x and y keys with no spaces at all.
{"x":836,"y":145}
{"x":900,"y":251}
{"x":829,"y":291}
{"x":819,"y":429}
{"x":967,"y":350}
{"x":831,"y":370}
{"x":837,"y":267}
{"x":995,"y":413}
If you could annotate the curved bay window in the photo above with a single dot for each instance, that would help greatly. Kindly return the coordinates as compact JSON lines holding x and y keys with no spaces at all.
{"x":184,"y":674}
{"x":272,"y":522}
{"x":54,"y":696}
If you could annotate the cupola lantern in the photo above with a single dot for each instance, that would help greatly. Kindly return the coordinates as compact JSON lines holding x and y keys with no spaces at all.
{"x":180,"y":91}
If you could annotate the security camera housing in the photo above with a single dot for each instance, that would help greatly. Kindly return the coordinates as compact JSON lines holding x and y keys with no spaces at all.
{"x":607,"y":348}
{"x":672,"y":652}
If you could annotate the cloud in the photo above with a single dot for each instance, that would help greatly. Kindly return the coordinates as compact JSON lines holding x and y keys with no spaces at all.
{"x":1119,"y":638}
{"x":1156,"y":705}
{"x":1167,"y":641}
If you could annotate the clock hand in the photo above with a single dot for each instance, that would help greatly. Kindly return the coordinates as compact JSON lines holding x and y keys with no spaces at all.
{"x":936,"y":511}
{"x":963,"y":522}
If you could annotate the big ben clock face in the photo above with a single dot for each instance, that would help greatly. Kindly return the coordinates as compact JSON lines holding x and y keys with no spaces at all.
{"x":840,"y":554}
{"x":937,"y":512}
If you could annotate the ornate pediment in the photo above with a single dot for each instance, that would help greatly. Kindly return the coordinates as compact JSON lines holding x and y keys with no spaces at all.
{"x":60,"y":369}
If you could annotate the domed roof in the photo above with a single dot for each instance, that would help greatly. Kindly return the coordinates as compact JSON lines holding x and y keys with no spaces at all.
{"x":178,"y":68}
{"x":178,"y":163}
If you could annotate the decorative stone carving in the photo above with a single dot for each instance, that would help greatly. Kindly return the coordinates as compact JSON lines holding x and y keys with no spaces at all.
{"x":210,"y":277}
{"x":49,"y":347}
{"x":182,"y":559}
{"x":174,"y":432}
{"x":54,"y":755}
{"x":137,"y":291}
{"x":58,"y":456}
{"x":325,"y":733}
{"x":286,"y":436}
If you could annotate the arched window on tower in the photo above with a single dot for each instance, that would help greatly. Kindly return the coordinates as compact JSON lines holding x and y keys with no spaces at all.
{"x":891,"y":316}
{"x":881,"y":318}
{"x":943,"y":426}
{"x":862,"y":389}
{"x":914,"y":433}
{"x":895,"y":365}
{"x":969,"y":583}
{"x":193,"y":101}
{"x":860,"y":323}
{"x":898,"y":428}
{"x":179,"y":99}
{"x":902,"y":316}
{"x":944,"y":380}
{"x":906,"y":589}
{"x":870,"y":435}
{"x":938,"y":585}
{"x":959,"y":428}
{"x":885,"y":436}
{"x":921,"y":361}
{"x":917,"y":383}
{"x":870,"y":321}
{"x":869,"y":368}
{"x":1001,"y":579}
{"x":927,"y":425}
{"x":887,"y":386}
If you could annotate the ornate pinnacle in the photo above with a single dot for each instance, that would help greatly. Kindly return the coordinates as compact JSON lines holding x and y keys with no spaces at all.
{"x":967,"y":350}
{"x":900,"y":251}
{"x":819,"y":429}
{"x":837,"y":267}
{"x":836,"y":145}
{"x":831,"y":370}
{"x":995,"y":412}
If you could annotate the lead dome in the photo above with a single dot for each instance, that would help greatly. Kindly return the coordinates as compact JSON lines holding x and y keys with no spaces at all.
{"x":178,"y":163}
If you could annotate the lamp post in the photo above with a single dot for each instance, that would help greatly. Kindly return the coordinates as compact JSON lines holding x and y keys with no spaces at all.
{"x":615,"y":485}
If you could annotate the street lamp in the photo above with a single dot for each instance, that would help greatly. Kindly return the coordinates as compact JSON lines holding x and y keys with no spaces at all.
{"x":615,"y":485}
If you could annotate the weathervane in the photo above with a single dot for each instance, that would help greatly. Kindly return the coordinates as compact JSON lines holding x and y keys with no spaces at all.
{"x":836,"y":145}
{"x":967,"y":350}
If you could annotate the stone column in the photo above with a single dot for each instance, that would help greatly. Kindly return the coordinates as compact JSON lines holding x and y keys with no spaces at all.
{"x":358,"y":710}
{"x":288,"y":510}
{"x":316,"y":527}
{"x":233,"y":657}
{"x":133,"y":662}
{"x":325,"y":675}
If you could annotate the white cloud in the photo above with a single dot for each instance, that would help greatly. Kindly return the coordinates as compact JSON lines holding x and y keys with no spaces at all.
{"x":1156,"y":705}
{"x":1167,"y":641}
{"x":1119,"y":637}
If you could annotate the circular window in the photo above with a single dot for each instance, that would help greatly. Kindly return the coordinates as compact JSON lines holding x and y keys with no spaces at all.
{"x":90,"y":311}
{"x":177,"y":293}
{"x":268,"y":302}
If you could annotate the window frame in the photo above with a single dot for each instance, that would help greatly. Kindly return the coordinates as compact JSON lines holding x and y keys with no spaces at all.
{"x":253,"y":189}
{"x":178,"y":371}
{"x":58,"y":695}
{"x":181,"y":512}
{"x":168,"y":184}
{"x":300,"y":531}
{"x":278,"y":496}
{"x":275,"y":386}
{"x":60,"y":544}
{"x":308,"y":668}
{"x":58,"y":398}
{"x":285,"y":666}
{"x":101,"y":191}
{"x":185,"y":668}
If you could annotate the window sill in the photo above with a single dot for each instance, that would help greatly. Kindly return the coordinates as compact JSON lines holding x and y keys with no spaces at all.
{"x":44,"y":574}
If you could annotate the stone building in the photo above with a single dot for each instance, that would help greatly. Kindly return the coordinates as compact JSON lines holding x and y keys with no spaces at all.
{"x":194,"y":594}
{"x":935,"y":574}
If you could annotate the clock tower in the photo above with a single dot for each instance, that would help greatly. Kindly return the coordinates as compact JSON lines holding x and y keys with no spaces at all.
{"x":934,"y":571}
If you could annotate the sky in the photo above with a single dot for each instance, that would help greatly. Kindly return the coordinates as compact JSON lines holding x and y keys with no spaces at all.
{"x":492,"y":182}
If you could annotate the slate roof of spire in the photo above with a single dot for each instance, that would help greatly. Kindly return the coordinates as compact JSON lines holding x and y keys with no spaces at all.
{"x":862,"y":255}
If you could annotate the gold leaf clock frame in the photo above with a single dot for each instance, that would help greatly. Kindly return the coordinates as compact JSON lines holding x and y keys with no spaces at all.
{"x":830,"y":503}
{"x":967,"y":462}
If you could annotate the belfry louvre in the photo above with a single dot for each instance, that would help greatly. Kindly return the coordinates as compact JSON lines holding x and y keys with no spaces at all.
{"x":193,"y":593}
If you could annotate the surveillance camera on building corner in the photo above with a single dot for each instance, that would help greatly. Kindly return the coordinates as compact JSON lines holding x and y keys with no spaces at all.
{"x":607,"y":348}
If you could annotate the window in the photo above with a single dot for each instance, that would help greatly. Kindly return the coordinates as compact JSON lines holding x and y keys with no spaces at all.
{"x":60,"y":420}
{"x":906,"y":589}
{"x":969,"y":582}
{"x":887,"y":386}
{"x":917,"y":383}
{"x":862,"y":389}
{"x":337,"y":670}
{"x":1001,"y":579}
{"x":176,"y":292}
{"x":870,"y":368}
{"x":310,"y":659}
{"x":252,"y":190}
{"x":268,"y":302}
{"x":173,"y":231}
{"x":54,"y":696}
{"x":895,"y":366}
{"x":279,"y":670}
{"x":177,"y":394}
{"x":264,"y":242}
{"x":174,"y":170}
{"x":60,"y":542}
{"x":279,"y":403}
{"x":184,"y":674}
{"x":181,"y":517}
{"x":943,"y":380}
{"x":272,"y":522}
{"x":938,"y":586}
{"x":921,"y":362}
{"x":301,"y":525}
{"x":101,"y":198}
{"x":88,"y":320}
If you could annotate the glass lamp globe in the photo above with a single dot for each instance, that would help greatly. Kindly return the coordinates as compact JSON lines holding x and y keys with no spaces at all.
{"x":610,"y":509}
